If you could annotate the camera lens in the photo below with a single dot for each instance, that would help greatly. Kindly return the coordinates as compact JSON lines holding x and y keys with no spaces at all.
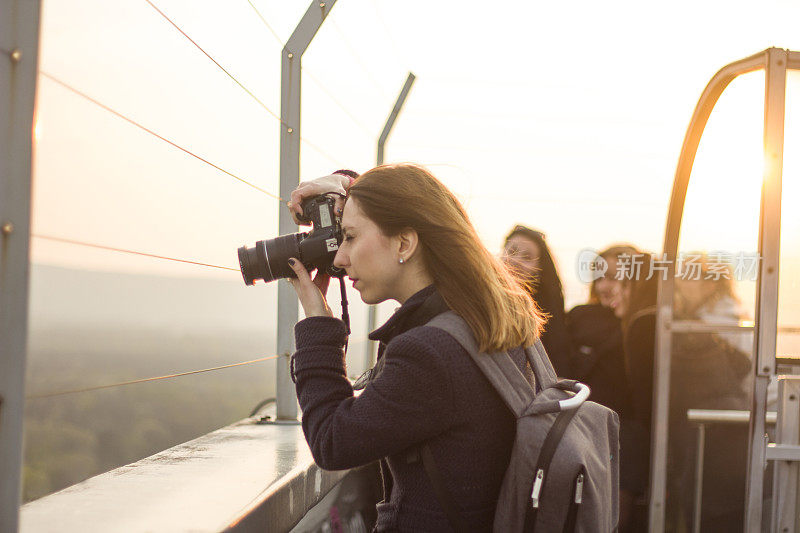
{"x":269,"y":259}
{"x":252,"y":263}
{"x":278,"y":252}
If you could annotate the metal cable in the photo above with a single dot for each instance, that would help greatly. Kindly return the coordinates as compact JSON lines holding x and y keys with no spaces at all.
{"x":397,"y":50}
{"x":113,"y":249}
{"x":322,"y":152}
{"x":271,"y":30}
{"x":245,"y":89}
{"x":341,"y":106}
{"x":312,"y":77}
{"x":131,"y":382}
{"x":357,"y":57}
{"x":261,"y":404}
{"x":151,"y":132}
{"x":231,"y":76}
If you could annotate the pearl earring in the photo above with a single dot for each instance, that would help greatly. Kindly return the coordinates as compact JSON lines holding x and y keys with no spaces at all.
{"x":401,"y":261}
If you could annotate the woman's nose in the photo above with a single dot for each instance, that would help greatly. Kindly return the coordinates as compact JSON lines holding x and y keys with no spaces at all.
{"x":340,"y":260}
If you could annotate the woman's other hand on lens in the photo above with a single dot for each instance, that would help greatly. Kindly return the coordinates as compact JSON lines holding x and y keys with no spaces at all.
{"x":311,"y":293}
{"x":334,"y":183}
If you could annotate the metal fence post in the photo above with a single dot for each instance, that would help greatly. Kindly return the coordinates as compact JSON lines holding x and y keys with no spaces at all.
{"x":289,"y":178}
{"x":766,"y":315}
{"x":698,"y":477}
{"x":786,"y":477}
{"x":666,"y":285}
{"x":19,"y":43}
{"x":398,"y":106}
{"x":387,"y":129}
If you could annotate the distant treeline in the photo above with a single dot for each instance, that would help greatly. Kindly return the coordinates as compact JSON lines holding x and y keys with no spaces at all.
{"x":73,"y":437}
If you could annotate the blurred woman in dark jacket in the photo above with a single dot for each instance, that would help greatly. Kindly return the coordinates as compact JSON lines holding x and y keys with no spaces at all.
{"x":526,"y":251}
{"x":707,"y":372}
{"x":594,"y":329}
{"x":598,"y":359}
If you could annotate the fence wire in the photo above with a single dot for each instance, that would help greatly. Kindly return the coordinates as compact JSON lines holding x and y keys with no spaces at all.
{"x":123,"y":250}
{"x":153,"y":133}
{"x":245,"y":89}
{"x":145,"y":380}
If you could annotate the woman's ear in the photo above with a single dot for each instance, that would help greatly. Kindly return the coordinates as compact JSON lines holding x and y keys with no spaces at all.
{"x":408,"y":240}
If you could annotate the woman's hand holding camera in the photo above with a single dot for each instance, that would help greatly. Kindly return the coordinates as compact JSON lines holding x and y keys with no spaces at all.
{"x":311,"y":293}
{"x":334,"y":183}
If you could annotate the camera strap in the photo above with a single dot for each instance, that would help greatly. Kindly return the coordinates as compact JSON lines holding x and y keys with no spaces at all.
{"x":345,"y":311}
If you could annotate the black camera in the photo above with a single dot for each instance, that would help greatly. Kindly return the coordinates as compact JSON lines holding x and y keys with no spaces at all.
{"x":268,"y":260}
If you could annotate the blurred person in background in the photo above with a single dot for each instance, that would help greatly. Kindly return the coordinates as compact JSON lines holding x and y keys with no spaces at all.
{"x":598,"y":359}
{"x":712,"y":300}
{"x":606,"y":289}
{"x":527,"y":253}
{"x":706,"y":373}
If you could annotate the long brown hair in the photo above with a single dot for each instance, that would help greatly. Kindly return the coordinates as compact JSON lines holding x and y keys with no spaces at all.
{"x":474,"y":283}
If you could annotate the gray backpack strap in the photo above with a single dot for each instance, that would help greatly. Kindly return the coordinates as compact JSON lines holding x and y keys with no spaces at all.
{"x":498,"y":368}
{"x":542,"y":367}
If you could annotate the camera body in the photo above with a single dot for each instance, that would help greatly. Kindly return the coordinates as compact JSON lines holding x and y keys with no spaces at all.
{"x":268,"y":259}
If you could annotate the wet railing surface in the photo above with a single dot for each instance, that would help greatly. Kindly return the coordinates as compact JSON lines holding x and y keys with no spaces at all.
{"x":244,"y":477}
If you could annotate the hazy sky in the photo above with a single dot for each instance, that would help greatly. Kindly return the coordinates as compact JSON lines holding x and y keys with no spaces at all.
{"x":566,"y":116}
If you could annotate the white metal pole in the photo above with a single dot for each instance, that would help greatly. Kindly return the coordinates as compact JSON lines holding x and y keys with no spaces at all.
{"x":286,"y":403}
{"x":698,"y":477}
{"x":19,"y":42}
{"x":766,"y":316}
{"x":786,"y":474}
{"x":398,"y":106}
{"x":387,"y":129}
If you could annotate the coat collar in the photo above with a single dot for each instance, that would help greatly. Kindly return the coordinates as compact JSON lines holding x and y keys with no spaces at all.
{"x":416,"y":311}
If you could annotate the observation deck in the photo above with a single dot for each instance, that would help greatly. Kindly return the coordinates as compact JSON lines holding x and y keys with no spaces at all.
{"x":249,"y":476}
{"x":258,"y":474}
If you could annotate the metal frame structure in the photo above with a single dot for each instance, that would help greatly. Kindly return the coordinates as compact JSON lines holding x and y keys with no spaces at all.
{"x":775,"y":63}
{"x":19,"y":45}
{"x":704,"y":418}
{"x":372,"y":312}
{"x":398,"y":106}
{"x":291,"y":73}
{"x":786,"y":475}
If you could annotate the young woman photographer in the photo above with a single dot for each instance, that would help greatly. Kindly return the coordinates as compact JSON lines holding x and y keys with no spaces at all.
{"x":408,"y":239}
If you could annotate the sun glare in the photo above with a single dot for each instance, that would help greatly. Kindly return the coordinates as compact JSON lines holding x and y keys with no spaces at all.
{"x":723,"y":199}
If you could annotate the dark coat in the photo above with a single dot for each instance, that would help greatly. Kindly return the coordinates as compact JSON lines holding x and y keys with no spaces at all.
{"x":555,"y":336}
{"x":706,"y":373}
{"x":428,"y":391}
{"x":598,"y":357}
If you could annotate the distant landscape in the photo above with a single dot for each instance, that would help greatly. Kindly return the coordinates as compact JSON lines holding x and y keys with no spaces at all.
{"x":91,"y":328}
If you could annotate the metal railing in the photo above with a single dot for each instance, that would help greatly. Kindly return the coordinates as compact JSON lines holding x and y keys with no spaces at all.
{"x":19,"y":44}
{"x":703,"y":418}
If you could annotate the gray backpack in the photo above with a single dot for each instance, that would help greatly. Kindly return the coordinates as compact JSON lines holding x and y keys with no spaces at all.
{"x":563,"y":474}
